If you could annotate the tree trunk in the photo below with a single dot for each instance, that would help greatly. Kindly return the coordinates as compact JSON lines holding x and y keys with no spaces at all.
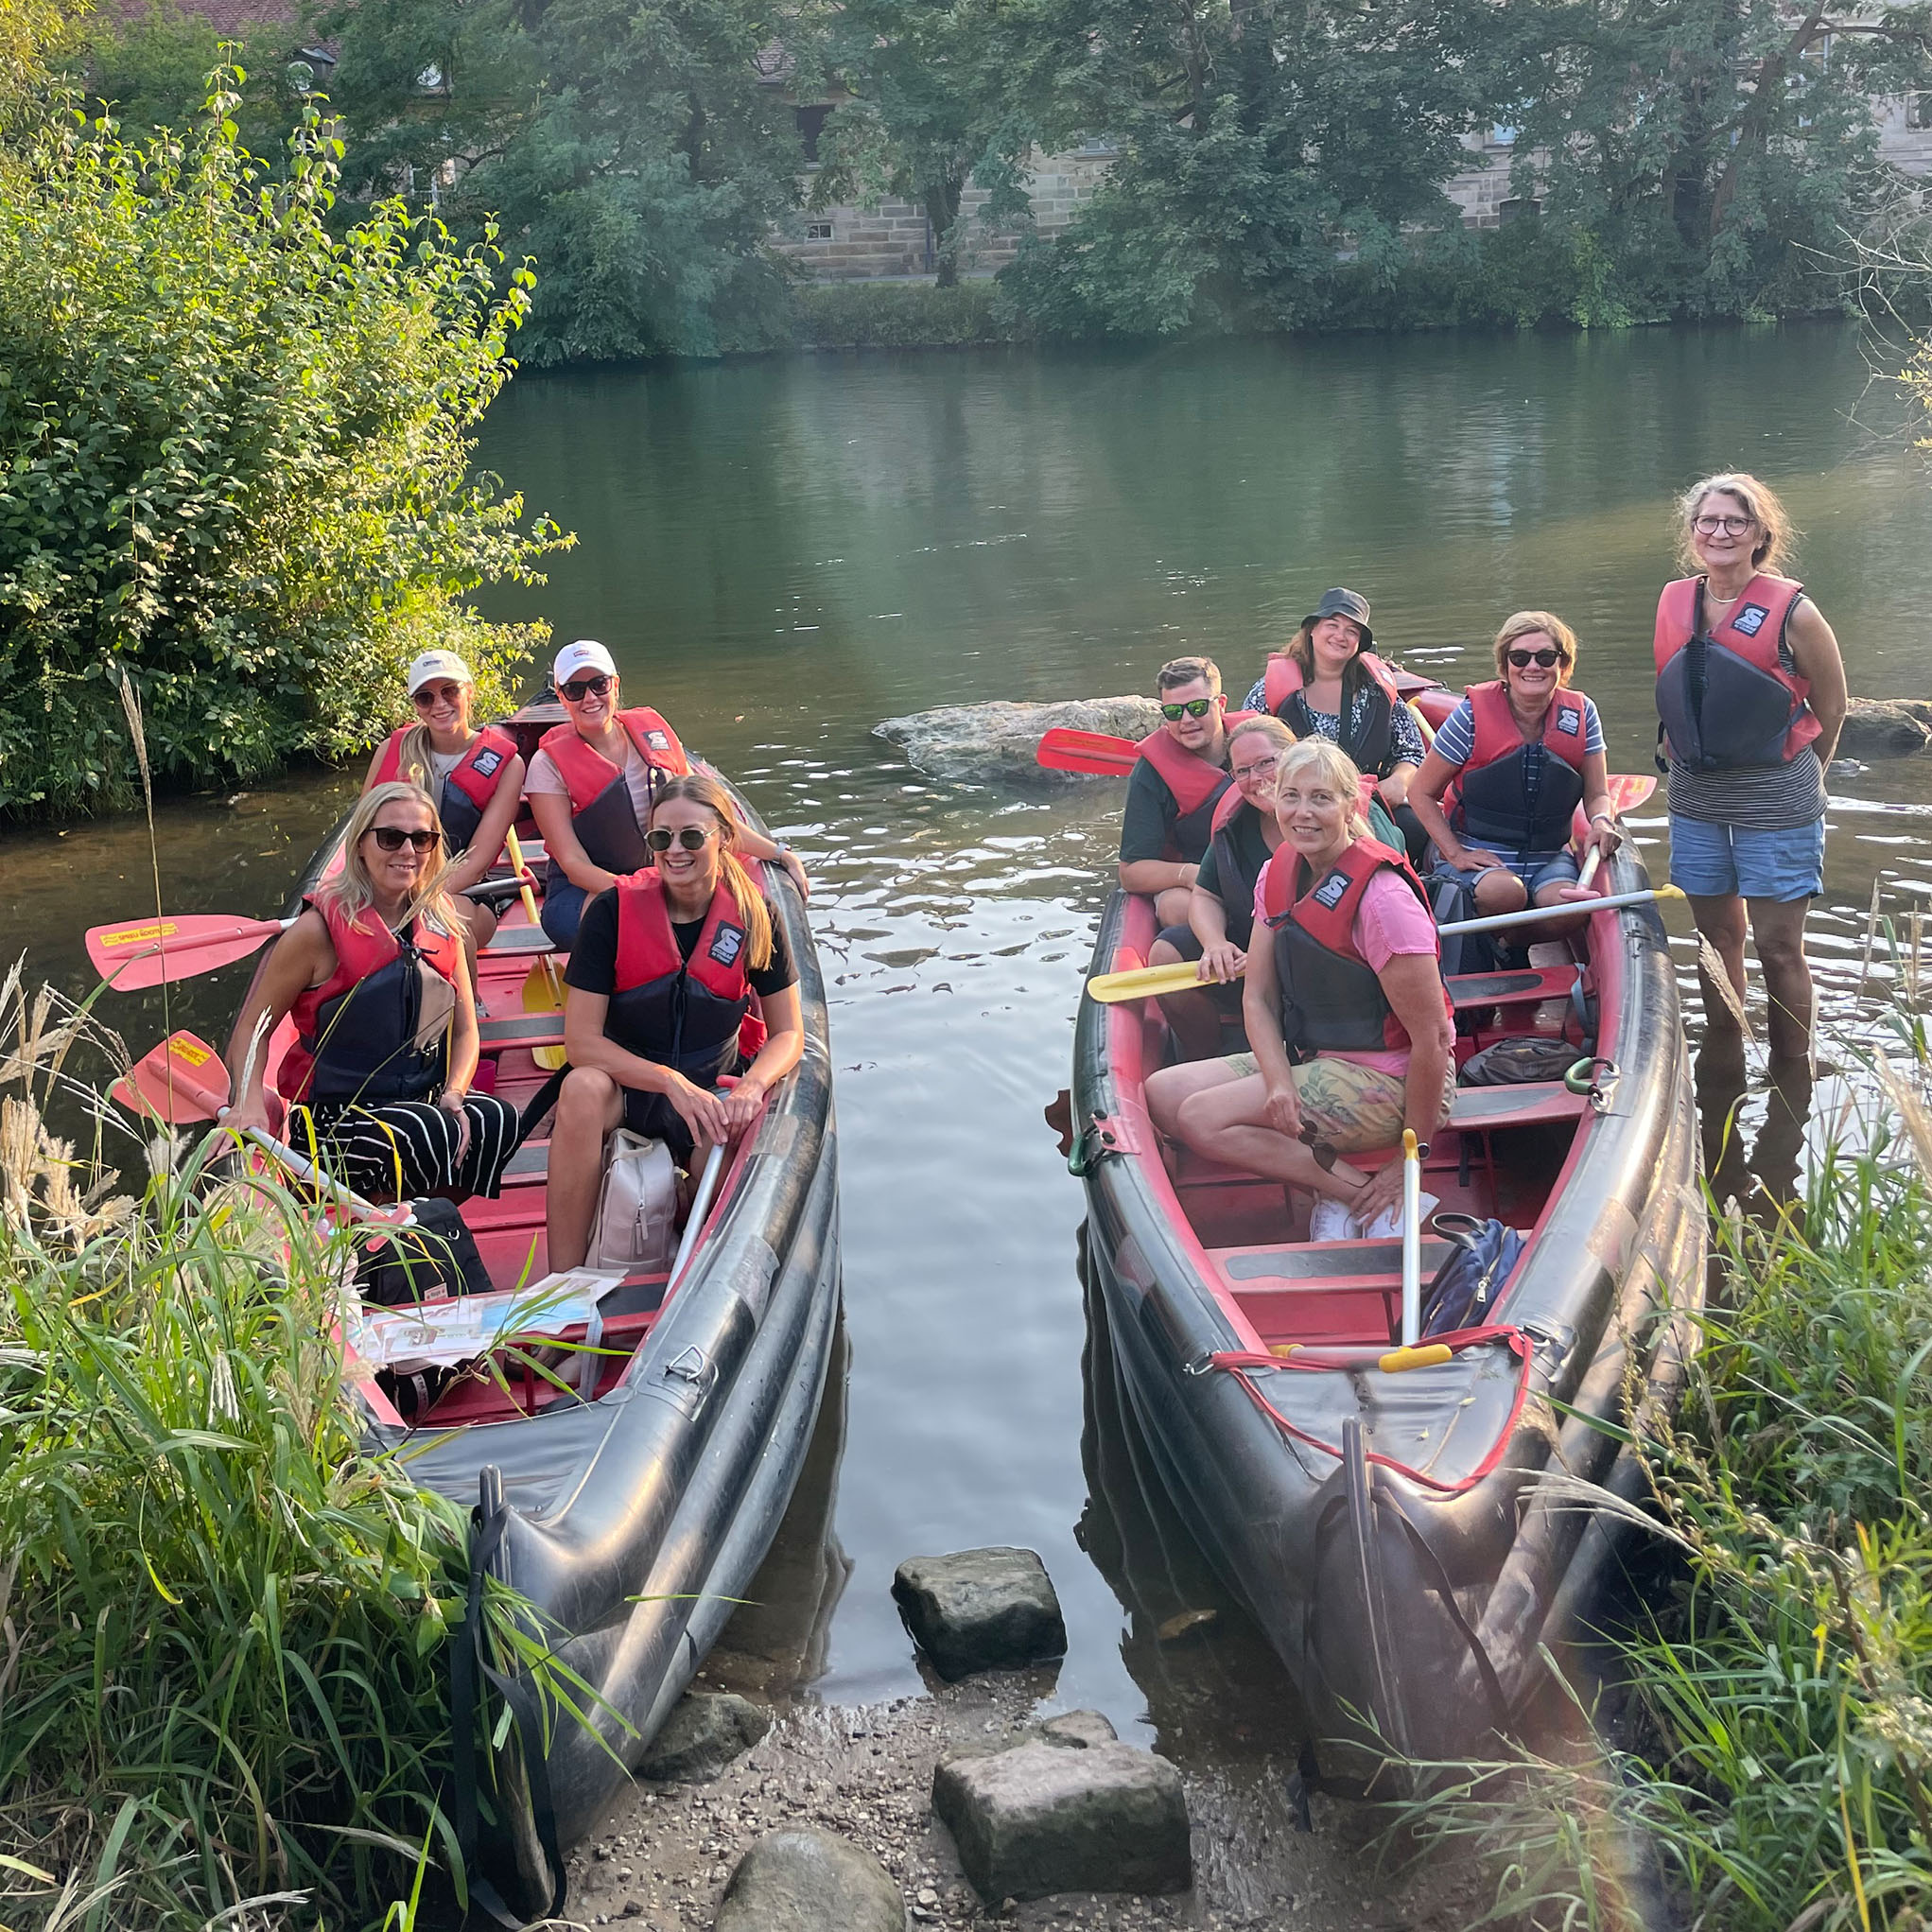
{"x":942,"y":211}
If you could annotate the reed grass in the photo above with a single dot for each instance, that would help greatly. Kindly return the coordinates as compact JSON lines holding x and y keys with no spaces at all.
{"x":224,"y":1623}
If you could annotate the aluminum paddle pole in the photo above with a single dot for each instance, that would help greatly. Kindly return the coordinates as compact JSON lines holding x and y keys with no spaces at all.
{"x":1412,"y":1239}
{"x":701,"y":1205}
{"x":1541,"y":916}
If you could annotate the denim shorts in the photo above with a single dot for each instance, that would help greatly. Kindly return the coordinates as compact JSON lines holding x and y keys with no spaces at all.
{"x":1722,"y":862}
{"x":1535,"y":869}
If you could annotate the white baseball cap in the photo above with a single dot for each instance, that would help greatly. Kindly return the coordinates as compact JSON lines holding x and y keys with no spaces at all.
{"x":586,"y":654}
{"x":438,"y":663}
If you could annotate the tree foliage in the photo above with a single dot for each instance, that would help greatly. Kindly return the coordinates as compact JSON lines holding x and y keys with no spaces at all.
{"x":233,"y":457}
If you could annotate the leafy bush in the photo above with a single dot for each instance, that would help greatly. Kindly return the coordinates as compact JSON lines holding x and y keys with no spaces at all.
{"x":903,"y":315}
{"x":233,"y":459}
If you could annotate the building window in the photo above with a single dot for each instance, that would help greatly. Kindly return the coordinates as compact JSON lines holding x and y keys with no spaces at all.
{"x":1919,"y":111}
{"x":812,"y":124}
{"x":818,"y":231}
{"x":1501,"y":136}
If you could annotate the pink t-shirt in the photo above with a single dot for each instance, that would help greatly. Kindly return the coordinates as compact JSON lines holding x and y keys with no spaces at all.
{"x":1390,"y":920}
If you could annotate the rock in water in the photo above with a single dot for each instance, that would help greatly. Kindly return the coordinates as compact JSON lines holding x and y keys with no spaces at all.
{"x":803,"y":1880}
{"x":981,"y":1609}
{"x":1042,"y":1818}
{"x":995,"y":742}
{"x":703,"y":1733}
{"x":1884,"y":728}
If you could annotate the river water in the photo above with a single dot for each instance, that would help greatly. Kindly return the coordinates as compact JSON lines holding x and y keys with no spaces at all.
{"x":782,"y":553}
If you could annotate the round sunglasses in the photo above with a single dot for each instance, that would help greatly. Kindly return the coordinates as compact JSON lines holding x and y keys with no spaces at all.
{"x":436,"y":694}
{"x":580,"y":687}
{"x":1545,"y":659}
{"x":691,"y":836}
{"x":393,"y":837}
{"x":1191,"y":707}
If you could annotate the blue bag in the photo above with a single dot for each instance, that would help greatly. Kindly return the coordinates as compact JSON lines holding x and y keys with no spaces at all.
{"x":1463,"y":1294}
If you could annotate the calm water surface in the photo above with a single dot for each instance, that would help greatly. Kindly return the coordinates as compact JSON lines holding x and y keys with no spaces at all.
{"x":782,"y":554}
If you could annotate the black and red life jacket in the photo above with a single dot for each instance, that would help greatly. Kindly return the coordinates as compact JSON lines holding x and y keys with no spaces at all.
{"x":356,"y":1034}
{"x":1194,"y":785}
{"x":601,"y":812}
{"x":686,"y":1013}
{"x":1508,"y":800}
{"x":1331,"y":998}
{"x":1371,"y":746}
{"x":1723,"y":694}
{"x":465,"y":794}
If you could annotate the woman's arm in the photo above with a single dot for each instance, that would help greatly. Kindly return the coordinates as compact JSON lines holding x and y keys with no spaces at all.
{"x":487,"y":846}
{"x":551,"y":810}
{"x":752,"y":844}
{"x":304,"y":957}
{"x":1598,"y":806}
{"x":1261,"y":1012}
{"x":1425,"y":801}
{"x":1394,"y":788}
{"x":1220,"y":958}
{"x":1815,"y":651}
{"x":1412,"y":983}
{"x":783,"y":1048}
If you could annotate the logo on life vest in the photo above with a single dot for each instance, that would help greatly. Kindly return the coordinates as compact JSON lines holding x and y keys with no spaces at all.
{"x":1750,"y":619}
{"x":725,"y":947}
{"x":486,"y":762}
{"x":1328,"y":892}
{"x":656,"y":741}
{"x":1570,"y":718}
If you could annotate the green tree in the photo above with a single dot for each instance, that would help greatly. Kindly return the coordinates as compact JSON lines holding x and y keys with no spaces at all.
{"x":636,"y":151}
{"x":233,"y":458}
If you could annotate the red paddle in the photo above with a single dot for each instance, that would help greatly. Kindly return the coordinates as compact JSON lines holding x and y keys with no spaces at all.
{"x":1064,"y":749}
{"x":144,"y":955}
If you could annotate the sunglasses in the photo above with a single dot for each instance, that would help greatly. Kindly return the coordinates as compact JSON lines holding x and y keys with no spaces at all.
{"x":580,"y":687}
{"x":691,"y":836}
{"x":436,"y":694}
{"x":1524,"y":659}
{"x":393,"y":837}
{"x":1193,"y":708}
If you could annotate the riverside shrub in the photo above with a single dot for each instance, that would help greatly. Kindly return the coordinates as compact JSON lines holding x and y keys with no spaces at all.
{"x":233,"y":460}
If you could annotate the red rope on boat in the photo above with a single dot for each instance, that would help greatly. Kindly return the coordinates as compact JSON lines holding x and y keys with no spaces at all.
{"x":1237,"y":1363}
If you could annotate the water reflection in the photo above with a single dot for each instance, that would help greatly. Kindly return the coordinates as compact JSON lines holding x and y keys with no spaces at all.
{"x":1762,"y":1176}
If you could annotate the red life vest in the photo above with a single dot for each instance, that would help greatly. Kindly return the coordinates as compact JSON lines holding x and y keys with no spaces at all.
{"x":355,"y":1033}
{"x":1734,"y":704}
{"x":1193,"y":784}
{"x":1372,"y":745}
{"x":601,"y":812}
{"x":1332,"y":998}
{"x":465,"y":794}
{"x":1502,"y":798}
{"x":687,"y":1014}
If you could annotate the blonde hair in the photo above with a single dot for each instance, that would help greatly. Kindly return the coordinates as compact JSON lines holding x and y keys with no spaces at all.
{"x":1262,"y":724}
{"x":1526,"y":624}
{"x":753,"y":912}
{"x":353,"y":893}
{"x":1761,"y":505}
{"x":1334,"y":767}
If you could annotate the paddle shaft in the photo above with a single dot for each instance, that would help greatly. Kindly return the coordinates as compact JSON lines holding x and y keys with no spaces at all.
{"x":1411,"y":1238}
{"x":701,"y":1205}
{"x":1532,"y":915}
{"x":513,"y":846}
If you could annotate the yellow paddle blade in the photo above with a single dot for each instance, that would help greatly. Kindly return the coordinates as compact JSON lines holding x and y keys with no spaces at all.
{"x":1144,"y":982}
{"x":543,"y":992}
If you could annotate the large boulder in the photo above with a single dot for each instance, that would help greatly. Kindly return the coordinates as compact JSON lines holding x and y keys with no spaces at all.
{"x":805,"y":1880}
{"x":1073,"y":1812}
{"x":1885,"y":728}
{"x":703,"y":1733}
{"x":995,"y":743}
{"x":981,"y":1609}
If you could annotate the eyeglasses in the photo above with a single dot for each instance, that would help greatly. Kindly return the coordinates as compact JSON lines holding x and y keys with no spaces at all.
{"x":1524,"y":659}
{"x":691,"y":836}
{"x":580,"y":687}
{"x":1731,"y":525}
{"x":1191,"y":708}
{"x":436,"y":694}
{"x":393,"y":837}
{"x":1262,"y":768}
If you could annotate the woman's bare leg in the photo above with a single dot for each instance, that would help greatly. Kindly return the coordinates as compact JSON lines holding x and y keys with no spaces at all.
{"x":590,"y":1106}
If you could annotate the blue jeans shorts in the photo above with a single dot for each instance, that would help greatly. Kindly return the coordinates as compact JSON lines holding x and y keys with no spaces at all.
{"x":1720,"y":861}
{"x":1535,"y":869}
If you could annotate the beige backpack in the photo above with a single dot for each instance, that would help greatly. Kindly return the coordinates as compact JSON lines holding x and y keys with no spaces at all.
{"x":636,"y":1211}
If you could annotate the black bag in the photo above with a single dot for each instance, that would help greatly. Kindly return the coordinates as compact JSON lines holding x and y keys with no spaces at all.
{"x":1520,"y":1061}
{"x":1463,"y":1294}
{"x":434,"y":1257}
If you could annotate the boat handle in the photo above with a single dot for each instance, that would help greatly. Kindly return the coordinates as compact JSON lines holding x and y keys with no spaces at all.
{"x":688,"y":1366}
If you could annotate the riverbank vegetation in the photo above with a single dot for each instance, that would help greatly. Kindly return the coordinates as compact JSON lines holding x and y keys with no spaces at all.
{"x":1773,"y":1751}
{"x":234,"y":455}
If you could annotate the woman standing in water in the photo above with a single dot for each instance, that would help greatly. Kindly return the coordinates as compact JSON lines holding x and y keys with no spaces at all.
{"x":1751,"y":689}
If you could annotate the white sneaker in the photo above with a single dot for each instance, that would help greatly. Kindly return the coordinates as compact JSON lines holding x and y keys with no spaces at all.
{"x":1329,"y":1219}
{"x":1387,"y":1225}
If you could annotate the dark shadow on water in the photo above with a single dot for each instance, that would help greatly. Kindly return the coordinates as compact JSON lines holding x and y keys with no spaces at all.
{"x":1763,"y":1179}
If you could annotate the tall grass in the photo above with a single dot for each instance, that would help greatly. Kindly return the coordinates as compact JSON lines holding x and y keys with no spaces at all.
{"x":224,"y":1623}
{"x":1776,"y":1756}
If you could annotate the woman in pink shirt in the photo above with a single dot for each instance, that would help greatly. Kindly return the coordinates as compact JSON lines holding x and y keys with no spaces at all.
{"x":1351,"y":1028}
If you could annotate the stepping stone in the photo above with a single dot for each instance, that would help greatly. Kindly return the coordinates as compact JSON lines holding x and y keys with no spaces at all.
{"x":981,"y":1609}
{"x":803,"y":1880}
{"x":1063,"y":1816}
{"x":703,"y":1733}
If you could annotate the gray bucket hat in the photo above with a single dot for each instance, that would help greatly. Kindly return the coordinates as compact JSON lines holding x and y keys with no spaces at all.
{"x":1345,"y":604}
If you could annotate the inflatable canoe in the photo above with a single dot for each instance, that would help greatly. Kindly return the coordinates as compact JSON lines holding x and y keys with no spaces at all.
{"x":1408,"y":1537}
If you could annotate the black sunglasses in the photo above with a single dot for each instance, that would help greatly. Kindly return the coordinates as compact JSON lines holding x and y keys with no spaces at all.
{"x":580,"y":687}
{"x":1524,"y":659}
{"x":1193,"y":708}
{"x":691,"y":836}
{"x":392,"y":838}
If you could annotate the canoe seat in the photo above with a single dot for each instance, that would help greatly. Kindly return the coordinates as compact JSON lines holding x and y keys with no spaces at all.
{"x":519,"y":939}
{"x":1525,"y":988}
{"x":530,"y":1030}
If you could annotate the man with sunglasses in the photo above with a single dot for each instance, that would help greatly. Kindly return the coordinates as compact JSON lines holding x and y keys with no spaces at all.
{"x":1176,"y":781}
{"x":591,"y":784}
